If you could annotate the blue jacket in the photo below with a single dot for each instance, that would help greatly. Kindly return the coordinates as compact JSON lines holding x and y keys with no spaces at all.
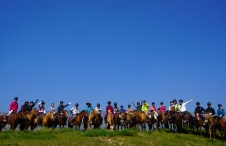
{"x":220,"y":112}
{"x":122,"y":111}
{"x":200,"y":109}
{"x":89,"y":109}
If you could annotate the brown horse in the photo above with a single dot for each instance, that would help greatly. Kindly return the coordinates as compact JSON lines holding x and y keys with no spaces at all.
{"x":47,"y":119}
{"x":152,"y":121}
{"x":209,"y":121}
{"x":77,"y":121}
{"x":110,"y":121}
{"x":161,"y":119}
{"x":175,"y":118}
{"x":95,"y":119}
{"x":220,"y":125}
{"x":13,"y":120}
{"x":127,"y":118}
{"x":198,"y":122}
{"x":29,"y":121}
{"x":140,"y":118}
{"x":117,"y":120}
{"x":62,"y":118}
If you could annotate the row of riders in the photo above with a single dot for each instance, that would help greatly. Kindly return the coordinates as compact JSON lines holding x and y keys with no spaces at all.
{"x":116,"y":117}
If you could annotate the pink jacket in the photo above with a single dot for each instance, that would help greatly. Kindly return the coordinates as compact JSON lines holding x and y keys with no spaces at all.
{"x":109,"y":109}
{"x":162,"y":109}
{"x":13,"y":106}
{"x":153,"y":109}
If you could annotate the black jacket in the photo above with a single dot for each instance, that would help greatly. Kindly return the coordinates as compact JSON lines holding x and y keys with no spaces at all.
{"x":60,"y":108}
{"x":211,"y":110}
{"x":200,"y":109}
{"x":30,"y":107}
{"x":24,"y":107}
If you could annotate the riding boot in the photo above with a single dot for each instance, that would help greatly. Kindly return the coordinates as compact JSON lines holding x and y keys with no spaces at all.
{"x":39,"y":121}
{"x":101,"y":120}
{"x":105,"y":119}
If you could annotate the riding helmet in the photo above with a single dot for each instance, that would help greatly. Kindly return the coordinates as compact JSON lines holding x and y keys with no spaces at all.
{"x":171,"y":101}
{"x":121,"y":106}
{"x":15,"y":98}
{"x":161,"y":103}
{"x":174,"y":100}
{"x":138,"y":103}
{"x":76,"y":104}
{"x":61,"y":102}
{"x":144,"y":100}
{"x":98,"y":104}
{"x":109,"y":102}
{"x":208,"y":103}
{"x":180,"y":100}
{"x":31,"y":102}
{"x":153,"y":103}
{"x":115,"y":103}
{"x":129,"y":105}
{"x":197,"y":103}
{"x":43,"y":102}
{"x":219,"y":105}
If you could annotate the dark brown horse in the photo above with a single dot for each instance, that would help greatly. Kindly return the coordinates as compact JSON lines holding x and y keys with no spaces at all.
{"x":152,"y":121}
{"x":210,"y":123}
{"x":117,"y":120}
{"x":77,"y":121}
{"x":198,"y":122}
{"x":61,"y":119}
{"x":13,"y":120}
{"x":220,"y":125}
{"x":95,"y":119}
{"x":175,"y":118}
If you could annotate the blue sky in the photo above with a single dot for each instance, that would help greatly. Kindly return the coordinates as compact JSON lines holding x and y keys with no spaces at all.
{"x":120,"y":51}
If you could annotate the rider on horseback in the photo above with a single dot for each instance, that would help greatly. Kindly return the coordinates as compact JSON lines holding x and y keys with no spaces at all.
{"x":171,"y":104}
{"x":61,"y":107}
{"x":12,"y":108}
{"x":200,"y":110}
{"x":221,"y":112}
{"x":109,"y":109}
{"x":89,"y":108}
{"x":162,"y":107}
{"x":41,"y":111}
{"x":25,"y":107}
{"x":177,"y":108}
{"x":52,"y":109}
{"x":115,"y":107}
{"x":74,"y":111}
{"x":138,"y":106}
{"x":122,"y":110}
{"x":144,"y":107}
{"x":97,"y":108}
{"x":31,"y":105}
{"x":182,"y":107}
{"x":210,"y":109}
{"x":153,"y":109}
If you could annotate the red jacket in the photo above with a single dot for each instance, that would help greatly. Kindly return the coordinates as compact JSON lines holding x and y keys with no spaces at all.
{"x":13,"y":106}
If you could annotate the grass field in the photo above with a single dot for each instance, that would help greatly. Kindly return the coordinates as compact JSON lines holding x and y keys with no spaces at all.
{"x":64,"y":137}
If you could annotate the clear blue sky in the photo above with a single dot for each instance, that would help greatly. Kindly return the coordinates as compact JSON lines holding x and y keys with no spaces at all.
{"x":120,"y":51}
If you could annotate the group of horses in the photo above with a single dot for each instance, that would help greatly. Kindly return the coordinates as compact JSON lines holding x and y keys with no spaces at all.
{"x":170,"y":119}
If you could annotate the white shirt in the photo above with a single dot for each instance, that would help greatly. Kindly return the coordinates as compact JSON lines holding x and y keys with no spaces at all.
{"x":97,"y":109}
{"x":74,"y":110}
{"x":183,"y":106}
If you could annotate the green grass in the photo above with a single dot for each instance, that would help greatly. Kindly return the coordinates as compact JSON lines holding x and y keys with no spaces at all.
{"x":103,"y":137}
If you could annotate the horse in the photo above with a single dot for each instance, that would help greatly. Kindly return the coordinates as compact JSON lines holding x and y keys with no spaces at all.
{"x":220,"y":125}
{"x":191,"y":123}
{"x":162,"y":119}
{"x":211,"y":127}
{"x":77,"y":121}
{"x":95,"y":119}
{"x":47,"y":120}
{"x":140,"y":118}
{"x":62,"y":118}
{"x":110,"y":121}
{"x":127,"y":118}
{"x":198,"y":122}
{"x":13,"y":120}
{"x":152,"y":120}
{"x":175,"y":118}
{"x":29,"y":121}
{"x":117,"y":120}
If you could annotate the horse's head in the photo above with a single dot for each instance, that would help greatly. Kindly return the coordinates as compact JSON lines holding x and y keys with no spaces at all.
{"x":197,"y":116}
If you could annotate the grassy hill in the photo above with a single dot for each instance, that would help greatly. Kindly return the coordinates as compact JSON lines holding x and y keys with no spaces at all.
{"x":134,"y":137}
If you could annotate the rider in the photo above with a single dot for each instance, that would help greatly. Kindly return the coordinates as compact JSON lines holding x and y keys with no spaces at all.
{"x":52,"y":109}
{"x":138,"y":106}
{"x":177,"y":109}
{"x":74,"y":111}
{"x":200,"y":110}
{"x":171,"y":104}
{"x":153,"y":108}
{"x":129,"y":109}
{"x":61,"y":107}
{"x":31,"y":105}
{"x":25,"y":107}
{"x":210,"y":109}
{"x":122,"y":110}
{"x":220,"y":111}
{"x":41,"y":111}
{"x":12,"y":108}
{"x":162,"y":107}
{"x":144,"y":107}
{"x":97,"y":108}
{"x":89,"y":108}
{"x":109,"y":109}
{"x":115,"y":107}
{"x":182,"y":107}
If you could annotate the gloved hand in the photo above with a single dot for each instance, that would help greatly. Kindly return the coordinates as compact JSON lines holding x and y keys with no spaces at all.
{"x":220,"y":115}
{"x":71,"y":111}
{"x":36,"y":99}
{"x":69,"y":103}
